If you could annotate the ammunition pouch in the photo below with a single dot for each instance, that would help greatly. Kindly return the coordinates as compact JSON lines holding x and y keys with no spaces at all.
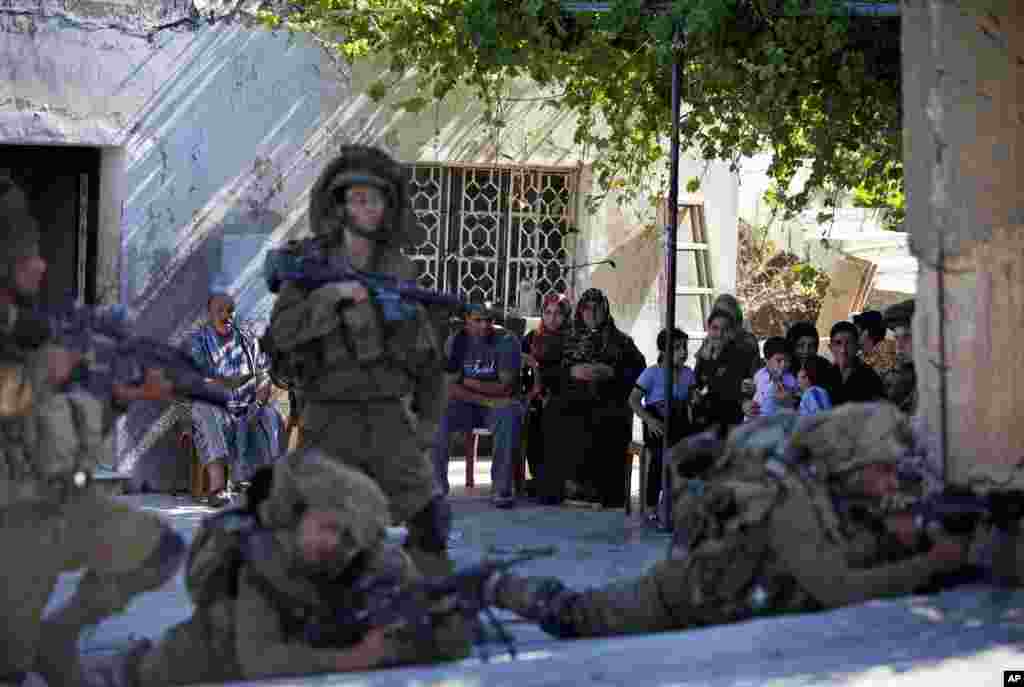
{"x":364,"y":330}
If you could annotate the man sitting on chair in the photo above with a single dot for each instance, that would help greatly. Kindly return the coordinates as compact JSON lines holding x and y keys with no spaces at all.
{"x":249,"y":433}
{"x":483,"y":380}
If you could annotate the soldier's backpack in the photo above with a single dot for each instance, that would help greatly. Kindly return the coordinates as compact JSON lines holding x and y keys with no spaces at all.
{"x":721,"y":520}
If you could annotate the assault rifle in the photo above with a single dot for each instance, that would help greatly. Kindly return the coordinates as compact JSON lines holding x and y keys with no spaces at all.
{"x":396,"y":297}
{"x":414,"y":605}
{"x":960,"y":511}
{"x":111,"y":355}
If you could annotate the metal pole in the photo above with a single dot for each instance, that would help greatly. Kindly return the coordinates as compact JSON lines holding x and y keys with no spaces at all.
{"x":671,"y":232}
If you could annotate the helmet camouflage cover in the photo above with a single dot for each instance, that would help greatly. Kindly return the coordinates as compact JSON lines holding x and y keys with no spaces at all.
{"x":310,"y":479}
{"x":363,"y":165}
{"x":852,"y":436}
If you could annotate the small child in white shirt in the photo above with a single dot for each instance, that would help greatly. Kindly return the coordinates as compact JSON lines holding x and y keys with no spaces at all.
{"x":776,"y":387}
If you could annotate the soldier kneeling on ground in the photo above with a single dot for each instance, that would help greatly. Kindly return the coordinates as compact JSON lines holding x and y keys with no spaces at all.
{"x":797,"y":521}
{"x":266,"y":578}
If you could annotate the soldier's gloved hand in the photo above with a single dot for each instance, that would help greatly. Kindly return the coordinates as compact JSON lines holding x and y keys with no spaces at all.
{"x":155,"y":387}
{"x":343,"y":293}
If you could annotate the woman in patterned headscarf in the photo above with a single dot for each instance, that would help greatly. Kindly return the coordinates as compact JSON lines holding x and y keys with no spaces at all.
{"x":589,"y":425}
{"x":542,"y":352}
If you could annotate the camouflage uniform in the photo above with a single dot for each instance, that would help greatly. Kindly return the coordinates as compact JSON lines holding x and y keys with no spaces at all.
{"x":786,"y":549}
{"x":372,"y":391}
{"x":51,"y":520}
{"x":255,"y":626}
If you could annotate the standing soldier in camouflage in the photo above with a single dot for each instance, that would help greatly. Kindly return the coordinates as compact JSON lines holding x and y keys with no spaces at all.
{"x":805,"y":531}
{"x":51,"y":519}
{"x":372,"y":391}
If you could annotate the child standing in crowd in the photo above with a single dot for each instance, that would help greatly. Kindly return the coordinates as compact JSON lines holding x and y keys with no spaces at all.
{"x":814,"y":399}
{"x":776,"y":386}
{"x":648,"y":400}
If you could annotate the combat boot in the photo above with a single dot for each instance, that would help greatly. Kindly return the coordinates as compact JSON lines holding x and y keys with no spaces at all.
{"x":98,"y":597}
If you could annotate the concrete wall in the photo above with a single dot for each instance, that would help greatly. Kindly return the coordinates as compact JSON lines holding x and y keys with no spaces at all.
{"x":963,"y":72}
{"x":212,"y":133}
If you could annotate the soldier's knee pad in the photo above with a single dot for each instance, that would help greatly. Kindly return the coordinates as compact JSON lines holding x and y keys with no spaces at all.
{"x":428,"y":529}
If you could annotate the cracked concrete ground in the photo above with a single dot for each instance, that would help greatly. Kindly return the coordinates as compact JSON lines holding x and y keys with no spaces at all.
{"x":967,"y":636}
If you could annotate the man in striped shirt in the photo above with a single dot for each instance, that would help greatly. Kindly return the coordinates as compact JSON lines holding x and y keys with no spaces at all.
{"x":248,"y":434}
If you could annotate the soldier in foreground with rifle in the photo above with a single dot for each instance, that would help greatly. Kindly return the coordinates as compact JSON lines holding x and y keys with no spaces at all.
{"x":61,"y":386}
{"x":302,"y":583}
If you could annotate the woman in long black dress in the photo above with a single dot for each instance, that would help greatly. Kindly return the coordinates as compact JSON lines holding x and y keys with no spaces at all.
{"x":542,"y":352}
{"x":588,"y":426}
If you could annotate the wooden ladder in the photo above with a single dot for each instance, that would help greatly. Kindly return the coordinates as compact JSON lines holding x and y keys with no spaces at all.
{"x":691,"y":215}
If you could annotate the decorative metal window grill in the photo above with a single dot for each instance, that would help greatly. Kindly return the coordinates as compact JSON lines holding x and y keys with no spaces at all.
{"x":490,"y":228}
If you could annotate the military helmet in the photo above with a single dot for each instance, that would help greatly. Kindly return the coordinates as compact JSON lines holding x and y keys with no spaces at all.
{"x":19,"y":232}
{"x":852,"y":436}
{"x":362,"y":165}
{"x":310,"y":479}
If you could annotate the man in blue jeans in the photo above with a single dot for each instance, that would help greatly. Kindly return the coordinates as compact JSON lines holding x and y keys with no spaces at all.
{"x":483,"y":381}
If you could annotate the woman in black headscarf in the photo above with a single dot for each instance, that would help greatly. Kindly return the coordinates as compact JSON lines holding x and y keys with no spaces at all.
{"x":588,"y":426}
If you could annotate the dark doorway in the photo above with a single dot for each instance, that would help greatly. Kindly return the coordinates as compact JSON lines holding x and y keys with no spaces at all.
{"x":62,"y":184}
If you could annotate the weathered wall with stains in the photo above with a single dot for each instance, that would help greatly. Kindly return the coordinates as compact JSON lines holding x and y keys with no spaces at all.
{"x":964,"y":153}
{"x":213,"y":130}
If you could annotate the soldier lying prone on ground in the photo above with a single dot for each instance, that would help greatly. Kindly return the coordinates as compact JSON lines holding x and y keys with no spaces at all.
{"x":796,"y":521}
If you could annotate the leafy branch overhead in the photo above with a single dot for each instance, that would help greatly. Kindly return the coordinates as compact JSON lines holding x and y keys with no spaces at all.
{"x":800,"y":79}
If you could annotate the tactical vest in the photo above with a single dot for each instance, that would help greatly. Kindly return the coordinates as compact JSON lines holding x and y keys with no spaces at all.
{"x":327,"y":368}
{"x":46,"y":438}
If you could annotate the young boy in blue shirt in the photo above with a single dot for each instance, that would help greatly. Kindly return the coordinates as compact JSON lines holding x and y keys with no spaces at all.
{"x":649,"y":401}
